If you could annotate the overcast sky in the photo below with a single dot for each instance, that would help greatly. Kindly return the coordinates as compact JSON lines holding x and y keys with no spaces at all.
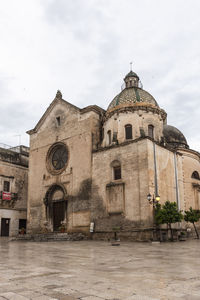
{"x":84,"y":47}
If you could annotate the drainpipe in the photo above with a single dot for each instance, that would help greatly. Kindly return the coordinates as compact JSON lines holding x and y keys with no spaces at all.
{"x":155,"y":229}
{"x":176,"y":181}
{"x":155,"y":170}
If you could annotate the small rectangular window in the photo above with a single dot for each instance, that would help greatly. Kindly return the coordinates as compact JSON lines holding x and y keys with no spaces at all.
{"x":128,"y":131}
{"x":6,"y":186}
{"x":115,"y":137}
{"x":151,"y":131}
{"x":58,"y":121}
{"x":117,"y":173}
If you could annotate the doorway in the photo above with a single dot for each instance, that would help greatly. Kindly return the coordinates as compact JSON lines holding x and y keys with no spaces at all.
{"x":56,"y":206}
{"x":22,"y":224}
{"x":58,"y":214}
{"x":5,"y":226}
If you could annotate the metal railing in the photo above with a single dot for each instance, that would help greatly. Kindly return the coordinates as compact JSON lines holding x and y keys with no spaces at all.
{"x":18,"y":149}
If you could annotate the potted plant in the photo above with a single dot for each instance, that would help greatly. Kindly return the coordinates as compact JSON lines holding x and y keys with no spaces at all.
{"x":182,"y":236}
{"x":22,"y":230}
{"x":62,"y":227}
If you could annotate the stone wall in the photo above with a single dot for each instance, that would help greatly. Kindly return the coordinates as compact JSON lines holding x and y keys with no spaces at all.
{"x":139,"y":120}
{"x":79,"y":131}
{"x":130,"y":209}
{"x":13,"y":169}
{"x":191,"y":163}
{"x":18,"y":177}
{"x":14,"y":216}
{"x":123,"y":203}
{"x":166,"y":181}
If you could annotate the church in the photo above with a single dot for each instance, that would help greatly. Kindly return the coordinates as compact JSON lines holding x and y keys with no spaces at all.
{"x":90,"y":170}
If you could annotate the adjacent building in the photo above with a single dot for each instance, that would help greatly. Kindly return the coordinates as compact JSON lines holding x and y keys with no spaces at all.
{"x":92,"y":169}
{"x":13,"y":189}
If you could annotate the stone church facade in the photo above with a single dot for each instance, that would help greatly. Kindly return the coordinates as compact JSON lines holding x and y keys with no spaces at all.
{"x":93,"y":169}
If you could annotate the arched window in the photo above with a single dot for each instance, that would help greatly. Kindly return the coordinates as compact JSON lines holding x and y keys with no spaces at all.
{"x":151,"y":131}
{"x":116,"y":165}
{"x":128,"y":132}
{"x":109,"y":137}
{"x":117,"y":172}
{"x":195,"y":175}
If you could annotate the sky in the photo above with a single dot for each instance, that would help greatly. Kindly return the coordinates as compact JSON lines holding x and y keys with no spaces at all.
{"x":84,"y":48}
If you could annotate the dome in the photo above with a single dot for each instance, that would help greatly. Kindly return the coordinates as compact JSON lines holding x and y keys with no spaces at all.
{"x":130,"y":96}
{"x":174,"y":137}
{"x":132,"y":74}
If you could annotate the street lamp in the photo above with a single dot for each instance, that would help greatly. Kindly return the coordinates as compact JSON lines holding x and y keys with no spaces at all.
{"x":154,"y":200}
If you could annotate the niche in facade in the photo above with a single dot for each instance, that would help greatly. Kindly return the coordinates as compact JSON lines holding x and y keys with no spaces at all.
{"x":115,"y":198}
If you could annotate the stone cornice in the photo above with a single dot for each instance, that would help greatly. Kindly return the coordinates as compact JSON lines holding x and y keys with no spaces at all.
{"x":147,"y":107}
{"x":111,"y":184}
{"x":94,"y":108}
{"x":189,"y":151}
{"x":196,"y":185}
{"x":100,"y":149}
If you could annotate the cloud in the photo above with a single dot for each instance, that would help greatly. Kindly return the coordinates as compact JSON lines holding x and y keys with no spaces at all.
{"x":84,"y":48}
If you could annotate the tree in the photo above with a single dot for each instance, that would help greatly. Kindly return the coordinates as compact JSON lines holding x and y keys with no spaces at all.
{"x":168,"y":214}
{"x":192,"y":216}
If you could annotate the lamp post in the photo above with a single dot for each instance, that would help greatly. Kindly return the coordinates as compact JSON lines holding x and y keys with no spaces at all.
{"x":154,"y":200}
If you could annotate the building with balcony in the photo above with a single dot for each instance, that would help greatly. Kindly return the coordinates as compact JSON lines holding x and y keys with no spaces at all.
{"x":13,"y":189}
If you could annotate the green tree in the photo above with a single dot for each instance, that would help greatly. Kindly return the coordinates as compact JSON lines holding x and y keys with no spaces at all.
{"x":192,"y":216}
{"x":168,"y":214}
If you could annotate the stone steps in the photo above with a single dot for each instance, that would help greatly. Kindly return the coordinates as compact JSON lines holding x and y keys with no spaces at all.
{"x":50,"y":237}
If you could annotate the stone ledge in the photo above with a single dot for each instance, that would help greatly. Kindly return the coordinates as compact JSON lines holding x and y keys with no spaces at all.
{"x":51,"y":237}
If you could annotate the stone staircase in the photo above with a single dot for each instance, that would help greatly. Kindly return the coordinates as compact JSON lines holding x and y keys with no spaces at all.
{"x":51,"y":237}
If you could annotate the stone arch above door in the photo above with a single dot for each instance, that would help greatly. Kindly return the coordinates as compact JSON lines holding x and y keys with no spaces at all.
{"x":56,"y":205}
{"x":57,"y":195}
{"x":55,"y":189}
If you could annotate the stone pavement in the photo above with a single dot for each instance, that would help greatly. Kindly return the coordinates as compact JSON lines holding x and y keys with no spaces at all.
{"x":95,"y":270}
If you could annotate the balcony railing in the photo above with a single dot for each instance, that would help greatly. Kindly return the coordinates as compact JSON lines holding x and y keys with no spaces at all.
{"x":7,"y":196}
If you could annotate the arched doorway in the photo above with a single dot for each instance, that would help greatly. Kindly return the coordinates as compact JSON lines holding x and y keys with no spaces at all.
{"x":56,"y":205}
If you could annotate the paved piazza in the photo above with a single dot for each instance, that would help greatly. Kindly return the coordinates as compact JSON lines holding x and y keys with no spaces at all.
{"x":90,"y":270}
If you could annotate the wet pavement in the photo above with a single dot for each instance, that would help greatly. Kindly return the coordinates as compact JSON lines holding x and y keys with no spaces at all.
{"x":90,"y":270}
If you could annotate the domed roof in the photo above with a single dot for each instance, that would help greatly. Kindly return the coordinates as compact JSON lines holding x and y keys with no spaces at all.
{"x":132,"y":95}
{"x":132,"y":74}
{"x":174,"y":137}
